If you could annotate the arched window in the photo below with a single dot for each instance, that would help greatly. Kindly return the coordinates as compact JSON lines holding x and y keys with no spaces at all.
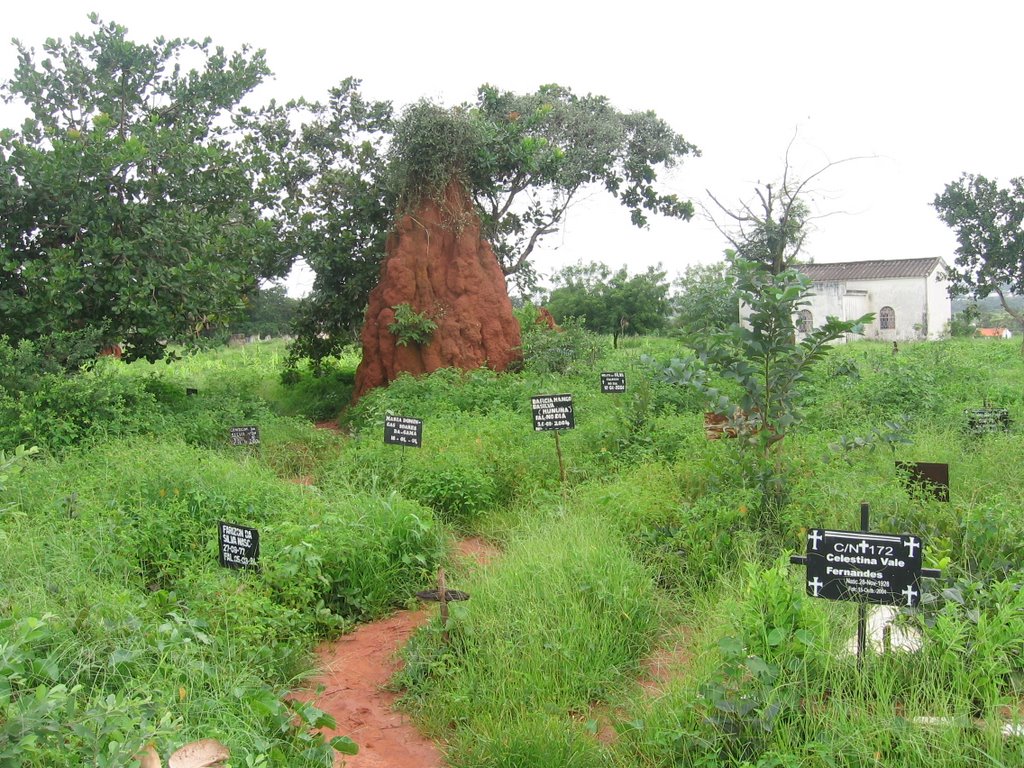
{"x":805,"y":321}
{"x":887,"y":319}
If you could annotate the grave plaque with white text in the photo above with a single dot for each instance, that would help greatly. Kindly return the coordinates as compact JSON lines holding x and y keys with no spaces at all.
{"x":864,"y":567}
{"x":245,"y":435}
{"x":401,"y":430}
{"x":612,"y":382}
{"x":239,"y":546}
{"x":552,"y":412}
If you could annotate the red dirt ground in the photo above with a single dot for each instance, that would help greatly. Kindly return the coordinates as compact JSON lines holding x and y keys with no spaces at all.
{"x":354,"y":669}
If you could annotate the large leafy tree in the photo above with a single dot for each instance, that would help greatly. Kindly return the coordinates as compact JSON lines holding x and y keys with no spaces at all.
{"x":989,"y":224}
{"x":611,"y":302}
{"x":342,"y":210}
{"x":136,"y":198}
{"x":523,"y":159}
{"x":706,"y":297}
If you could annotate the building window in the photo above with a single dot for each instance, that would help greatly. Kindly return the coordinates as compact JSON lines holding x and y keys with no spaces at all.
{"x":805,"y":321}
{"x":887,"y":319}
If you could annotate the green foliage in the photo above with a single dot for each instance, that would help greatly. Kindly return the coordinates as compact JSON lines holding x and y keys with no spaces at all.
{"x":706,"y":298}
{"x":522,"y":159}
{"x":269,"y":312}
{"x":987,"y":220}
{"x":611,"y":303}
{"x":342,"y":211}
{"x":569,"y":637}
{"x":135,"y":190}
{"x":411,"y":326}
{"x":767,"y":363}
{"x":559,"y":350}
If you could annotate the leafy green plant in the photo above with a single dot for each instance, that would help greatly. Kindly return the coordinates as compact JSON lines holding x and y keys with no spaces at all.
{"x":547,"y":350}
{"x":767,"y":363}
{"x":411,"y":326}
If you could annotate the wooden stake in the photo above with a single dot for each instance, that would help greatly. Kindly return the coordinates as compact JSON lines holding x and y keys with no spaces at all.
{"x":561,"y":463}
{"x":442,"y":595}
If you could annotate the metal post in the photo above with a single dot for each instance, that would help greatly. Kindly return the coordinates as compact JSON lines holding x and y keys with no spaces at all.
{"x":862,"y":607}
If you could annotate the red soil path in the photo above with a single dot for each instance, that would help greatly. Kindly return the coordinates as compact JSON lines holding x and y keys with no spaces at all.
{"x":354,"y":669}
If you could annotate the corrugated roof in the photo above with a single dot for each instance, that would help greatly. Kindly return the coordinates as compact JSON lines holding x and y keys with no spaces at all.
{"x":870,"y":270}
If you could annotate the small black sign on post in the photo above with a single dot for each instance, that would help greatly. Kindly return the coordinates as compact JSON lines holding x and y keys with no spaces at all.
{"x":867,"y":567}
{"x":245,"y":435}
{"x":613,"y":382}
{"x":982,"y":421}
{"x":553,"y":413}
{"x":864,"y":567}
{"x":191,"y":391}
{"x":239,"y":546}
{"x":926,"y":477}
{"x":401,"y":430}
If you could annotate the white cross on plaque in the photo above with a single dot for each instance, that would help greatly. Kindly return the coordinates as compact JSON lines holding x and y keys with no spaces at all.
{"x":911,"y":593}
{"x":815,"y":537}
{"x":815,"y":584}
{"x":913,"y":544}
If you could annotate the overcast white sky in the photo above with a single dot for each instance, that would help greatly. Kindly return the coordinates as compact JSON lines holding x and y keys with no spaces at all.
{"x":928,"y":89}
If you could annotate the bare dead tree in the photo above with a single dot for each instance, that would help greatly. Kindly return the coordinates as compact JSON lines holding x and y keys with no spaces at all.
{"x":772,"y":229}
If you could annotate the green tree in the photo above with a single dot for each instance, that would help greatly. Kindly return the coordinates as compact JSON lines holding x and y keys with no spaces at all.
{"x":136,"y":197}
{"x":523,"y":159}
{"x":611,"y":302}
{"x":341,"y":210}
{"x":706,"y":297}
{"x":268,"y":312}
{"x":764,"y":359}
{"x":989,"y":224}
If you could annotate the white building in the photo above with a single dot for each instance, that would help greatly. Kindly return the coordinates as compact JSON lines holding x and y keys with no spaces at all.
{"x":908,"y":297}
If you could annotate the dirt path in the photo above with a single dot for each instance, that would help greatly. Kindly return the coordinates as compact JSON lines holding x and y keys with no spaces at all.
{"x":354,"y":669}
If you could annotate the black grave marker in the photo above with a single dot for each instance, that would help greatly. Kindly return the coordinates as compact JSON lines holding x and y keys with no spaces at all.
{"x":239,"y":546}
{"x":982,"y":421}
{"x":864,"y":567}
{"x":191,"y":391}
{"x":926,"y":477}
{"x":401,"y":430}
{"x":245,"y":435}
{"x":612,"y":382}
{"x":552,"y":412}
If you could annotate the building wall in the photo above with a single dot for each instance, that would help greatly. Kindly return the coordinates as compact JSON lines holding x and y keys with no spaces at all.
{"x":940,"y":306}
{"x":917,"y":301}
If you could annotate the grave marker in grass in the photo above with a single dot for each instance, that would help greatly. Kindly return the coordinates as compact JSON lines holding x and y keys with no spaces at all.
{"x":402,"y":430}
{"x":553,"y":413}
{"x":926,"y":477}
{"x":249,"y":435}
{"x":239,"y":546}
{"x":864,"y":567}
{"x":613,"y":382}
{"x":191,"y":391}
{"x":985,"y":420}
{"x":442,"y":595}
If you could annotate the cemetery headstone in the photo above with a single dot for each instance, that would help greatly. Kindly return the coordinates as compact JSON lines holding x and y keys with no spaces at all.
{"x":613,"y":382}
{"x":401,"y":430}
{"x":864,"y":567}
{"x":926,"y":477}
{"x":552,"y":412}
{"x":239,"y":546}
{"x":249,"y":435}
{"x":981,"y":421}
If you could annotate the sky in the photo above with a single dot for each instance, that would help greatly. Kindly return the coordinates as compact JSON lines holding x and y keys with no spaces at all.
{"x":922,"y":91}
